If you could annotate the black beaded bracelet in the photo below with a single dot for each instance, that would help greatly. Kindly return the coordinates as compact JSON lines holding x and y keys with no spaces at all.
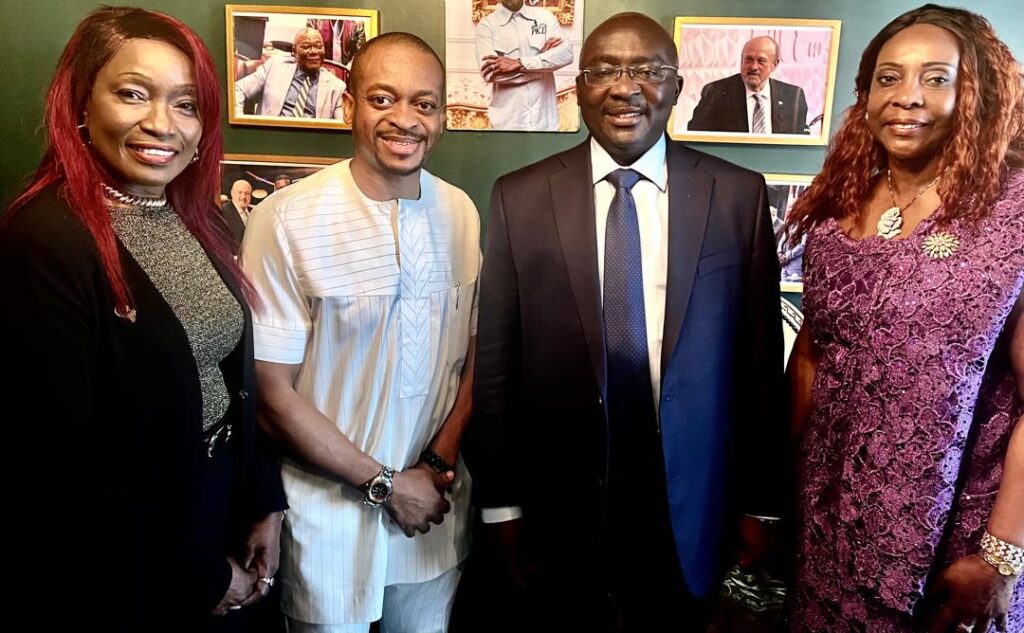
{"x":432,"y":459}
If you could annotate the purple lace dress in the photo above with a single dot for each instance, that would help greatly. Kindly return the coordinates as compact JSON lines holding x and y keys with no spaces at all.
{"x":913,"y":404}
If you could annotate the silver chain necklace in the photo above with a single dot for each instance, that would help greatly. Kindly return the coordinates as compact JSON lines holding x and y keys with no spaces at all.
{"x":141,"y":202}
{"x":891,"y":222}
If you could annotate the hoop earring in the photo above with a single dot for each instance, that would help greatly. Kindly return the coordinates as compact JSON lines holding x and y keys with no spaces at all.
{"x":83,"y":134}
{"x":195,"y":157}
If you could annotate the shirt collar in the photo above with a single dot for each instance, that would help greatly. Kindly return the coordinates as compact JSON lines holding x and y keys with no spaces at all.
{"x":651,"y":164}
{"x":765,"y":90}
{"x":504,"y":14}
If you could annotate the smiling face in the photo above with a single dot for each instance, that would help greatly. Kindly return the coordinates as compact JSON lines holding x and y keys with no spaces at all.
{"x":396,"y":112}
{"x":759,"y":59}
{"x":627,"y":118}
{"x":241,"y":193}
{"x":308,"y":50}
{"x":142,"y":115}
{"x":913,"y":93}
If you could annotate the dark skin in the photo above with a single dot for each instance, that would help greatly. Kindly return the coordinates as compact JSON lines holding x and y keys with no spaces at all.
{"x":911,"y":107}
{"x":498,"y":67}
{"x":627,"y":119}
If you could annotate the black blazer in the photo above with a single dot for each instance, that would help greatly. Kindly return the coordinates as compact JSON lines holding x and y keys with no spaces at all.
{"x":129,"y":521}
{"x":235,"y":226}
{"x":538,"y":438}
{"x":723,"y":107}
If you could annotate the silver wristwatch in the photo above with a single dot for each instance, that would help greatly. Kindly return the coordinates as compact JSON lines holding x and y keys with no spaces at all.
{"x":377,"y":491}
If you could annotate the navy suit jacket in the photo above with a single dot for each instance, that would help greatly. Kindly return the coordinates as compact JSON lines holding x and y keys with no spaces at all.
{"x":539,"y":437}
{"x":723,"y":107}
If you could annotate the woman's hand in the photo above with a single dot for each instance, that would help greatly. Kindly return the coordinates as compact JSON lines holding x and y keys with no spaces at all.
{"x":263,"y":555}
{"x":242,"y":585}
{"x":972,"y":595}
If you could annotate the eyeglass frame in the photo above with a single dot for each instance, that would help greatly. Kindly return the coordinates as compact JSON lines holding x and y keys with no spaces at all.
{"x":629,"y":70}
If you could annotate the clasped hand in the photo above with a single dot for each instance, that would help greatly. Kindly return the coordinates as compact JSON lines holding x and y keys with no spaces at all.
{"x":417,"y":498}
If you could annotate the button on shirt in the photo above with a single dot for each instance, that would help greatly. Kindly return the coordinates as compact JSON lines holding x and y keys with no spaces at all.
{"x":381,"y":335}
{"x":526,"y":101}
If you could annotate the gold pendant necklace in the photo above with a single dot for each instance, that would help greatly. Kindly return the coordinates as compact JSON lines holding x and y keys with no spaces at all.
{"x":891,"y":222}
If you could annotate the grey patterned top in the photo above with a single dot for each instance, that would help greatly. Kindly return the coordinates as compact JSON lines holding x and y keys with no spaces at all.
{"x":191,"y":286}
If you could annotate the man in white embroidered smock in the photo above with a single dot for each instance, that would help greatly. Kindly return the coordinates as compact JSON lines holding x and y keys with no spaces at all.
{"x":367,"y":271}
{"x":519,"y":49}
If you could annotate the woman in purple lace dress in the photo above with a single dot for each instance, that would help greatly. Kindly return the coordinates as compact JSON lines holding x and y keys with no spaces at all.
{"x":908,"y":376}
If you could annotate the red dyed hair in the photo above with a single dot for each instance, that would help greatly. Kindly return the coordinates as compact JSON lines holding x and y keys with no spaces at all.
{"x":987,"y":134}
{"x":70,"y":165}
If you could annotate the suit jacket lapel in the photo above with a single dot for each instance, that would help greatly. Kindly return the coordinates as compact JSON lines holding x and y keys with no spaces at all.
{"x":321,"y":93}
{"x":689,"y":203}
{"x":737,"y":104}
{"x":572,"y":203}
{"x":778,"y":108}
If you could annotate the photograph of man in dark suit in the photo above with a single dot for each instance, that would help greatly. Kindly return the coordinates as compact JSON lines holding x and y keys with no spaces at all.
{"x":751,"y":101}
{"x":236,"y":211}
{"x":628,"y":422}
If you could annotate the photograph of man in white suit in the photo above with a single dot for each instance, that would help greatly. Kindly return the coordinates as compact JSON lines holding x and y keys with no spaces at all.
{"x":296,"y":86}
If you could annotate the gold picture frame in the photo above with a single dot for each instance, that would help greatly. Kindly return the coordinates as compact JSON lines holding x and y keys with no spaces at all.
{"x":262,"y":171}
{"x":259,"y":43}
{"x":713,"y":107}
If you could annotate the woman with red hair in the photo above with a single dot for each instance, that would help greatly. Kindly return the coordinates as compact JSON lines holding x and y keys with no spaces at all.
{"x":156,"y":506}
{"x":908,"y":376}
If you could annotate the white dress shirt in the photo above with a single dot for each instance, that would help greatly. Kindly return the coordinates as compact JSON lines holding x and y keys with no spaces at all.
{"x":651,"y":196}
{"x":526,"y":101}
{"x":766,"y":106}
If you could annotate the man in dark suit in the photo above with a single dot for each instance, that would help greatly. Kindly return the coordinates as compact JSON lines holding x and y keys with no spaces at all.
{"x":236,"y":210}
{"x":629,"y":363}
{"x":750,"y":101}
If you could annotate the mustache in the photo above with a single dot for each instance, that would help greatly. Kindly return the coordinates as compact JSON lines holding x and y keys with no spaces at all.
{"x":403,"y":135}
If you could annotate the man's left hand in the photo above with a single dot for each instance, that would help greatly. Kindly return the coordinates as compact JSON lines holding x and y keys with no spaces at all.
{"x":263,"y":554}
{"x":759,"y":543}
{"x":551,"y":43}
{"x":972,"y":595}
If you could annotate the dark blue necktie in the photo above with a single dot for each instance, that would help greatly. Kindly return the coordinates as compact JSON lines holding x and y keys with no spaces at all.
{"x":625,"y":326}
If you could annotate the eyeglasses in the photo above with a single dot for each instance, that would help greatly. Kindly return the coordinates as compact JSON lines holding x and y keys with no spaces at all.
{"x":608,"y":75}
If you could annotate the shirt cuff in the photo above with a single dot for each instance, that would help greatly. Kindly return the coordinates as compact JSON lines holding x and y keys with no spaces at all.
{"x":532,"y":62}
{"x":500,"y":515}
{"x":761,"y":517}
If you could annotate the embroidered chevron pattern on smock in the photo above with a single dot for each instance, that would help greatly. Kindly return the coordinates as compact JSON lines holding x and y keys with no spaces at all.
{"x":414,"y":300}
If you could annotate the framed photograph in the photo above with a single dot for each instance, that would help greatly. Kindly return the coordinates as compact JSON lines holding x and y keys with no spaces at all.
{"x":755,"y":80}
{"x":265,"y":173}
{"x":288,"y":66}
{"x":783,"y":190}
{"x":512,"y":74}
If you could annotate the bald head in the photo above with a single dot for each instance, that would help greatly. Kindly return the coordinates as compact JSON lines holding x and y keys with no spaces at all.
{"x":241,"y":193}
{"x":758,"y":61}
{"x":308,"y":50}
{"x":628,"y":117}
{"x":635,"y":25}
{"x":387,"y":43}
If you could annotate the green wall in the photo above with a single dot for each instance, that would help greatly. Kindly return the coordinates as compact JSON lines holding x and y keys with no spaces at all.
{"x":33,"y":33}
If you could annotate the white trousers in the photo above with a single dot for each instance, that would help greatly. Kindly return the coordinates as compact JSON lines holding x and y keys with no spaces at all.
{"x":421,"y":607}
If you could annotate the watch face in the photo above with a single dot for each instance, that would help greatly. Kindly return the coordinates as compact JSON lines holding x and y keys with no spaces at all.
{"x":378,"y":491}
{"x":1005,"y":569}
